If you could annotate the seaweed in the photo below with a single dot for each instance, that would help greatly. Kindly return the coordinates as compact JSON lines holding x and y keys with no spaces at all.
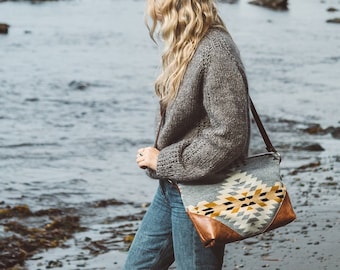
{"x":26,"y":241}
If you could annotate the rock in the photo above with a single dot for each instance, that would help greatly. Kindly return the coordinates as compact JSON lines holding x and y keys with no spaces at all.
{"x":314,"y":147}
{"x":54,"y":264}
{"x":79,"y":85}
{"x":335,"y":20}
{"x":314,"y":129}
{"x":4,"y":28}
{"x":336,"y":133}
{"x":332,"y":9}
{"x":228,"y":1}
{"x":309,"y":147}
{"x":106,"y":203}
{"x":273,"y":4}
{"x":32,"y":99}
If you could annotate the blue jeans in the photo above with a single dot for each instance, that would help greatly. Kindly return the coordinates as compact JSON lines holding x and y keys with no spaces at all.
{"x":166,"y":234}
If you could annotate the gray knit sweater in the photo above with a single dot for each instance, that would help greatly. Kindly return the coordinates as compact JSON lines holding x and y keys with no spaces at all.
{"x":206,"y":127}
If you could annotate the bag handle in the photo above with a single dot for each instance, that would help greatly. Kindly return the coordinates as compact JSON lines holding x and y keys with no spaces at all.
{"x":263,"y":132}
{"x":265,"y":137}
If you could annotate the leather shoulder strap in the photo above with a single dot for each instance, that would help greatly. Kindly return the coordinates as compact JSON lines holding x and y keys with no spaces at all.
{"x":265,"y":137}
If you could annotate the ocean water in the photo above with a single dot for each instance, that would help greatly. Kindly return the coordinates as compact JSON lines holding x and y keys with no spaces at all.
{"x":77,"y":101}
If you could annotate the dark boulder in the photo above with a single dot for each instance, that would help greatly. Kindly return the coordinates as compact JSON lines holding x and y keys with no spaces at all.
{"x":4,"y":28}
{"x":335,"y":20}
{"x":273,"y":4}
{"x":332,"y":9}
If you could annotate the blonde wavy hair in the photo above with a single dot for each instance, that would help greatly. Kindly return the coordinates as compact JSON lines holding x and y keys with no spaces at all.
{"x":183,"y":23}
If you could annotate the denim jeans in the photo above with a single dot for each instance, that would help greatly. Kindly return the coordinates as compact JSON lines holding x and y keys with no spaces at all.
{"x":166,"y":234}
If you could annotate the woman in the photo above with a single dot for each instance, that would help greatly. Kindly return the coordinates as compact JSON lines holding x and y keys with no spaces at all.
{"x":205,"y":128}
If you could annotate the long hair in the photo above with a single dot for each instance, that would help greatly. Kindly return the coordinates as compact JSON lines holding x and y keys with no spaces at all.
{"x":183,"y":23}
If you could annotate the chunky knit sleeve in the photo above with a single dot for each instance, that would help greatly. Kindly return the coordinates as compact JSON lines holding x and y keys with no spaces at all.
{"x":226,"y":136}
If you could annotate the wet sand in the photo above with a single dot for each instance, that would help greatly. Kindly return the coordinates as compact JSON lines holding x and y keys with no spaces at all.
{"x":76,"y":102}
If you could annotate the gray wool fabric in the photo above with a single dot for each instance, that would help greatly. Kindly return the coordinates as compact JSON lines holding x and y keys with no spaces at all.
{"x":206,"y":127}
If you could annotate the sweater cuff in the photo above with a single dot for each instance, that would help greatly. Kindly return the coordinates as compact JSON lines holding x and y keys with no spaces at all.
{"x":151,"y":173}
{"x":168,"y":163}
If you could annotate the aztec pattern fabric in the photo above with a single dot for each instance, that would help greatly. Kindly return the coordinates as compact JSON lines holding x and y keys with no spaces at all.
{"x":251,"y":200}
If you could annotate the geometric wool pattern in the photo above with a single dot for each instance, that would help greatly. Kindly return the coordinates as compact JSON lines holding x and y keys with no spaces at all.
{"x":246,"y":202}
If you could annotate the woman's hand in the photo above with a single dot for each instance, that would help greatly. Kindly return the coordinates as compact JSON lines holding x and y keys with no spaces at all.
{"x":147,"y":158}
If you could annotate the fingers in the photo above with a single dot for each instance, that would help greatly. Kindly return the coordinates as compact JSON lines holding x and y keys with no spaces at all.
{"x":141,"y":159}
{"x":147,"y":157}
{"x":140,"y":152}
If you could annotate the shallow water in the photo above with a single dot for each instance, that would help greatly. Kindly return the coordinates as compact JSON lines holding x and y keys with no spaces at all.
{"x":76,"y":97}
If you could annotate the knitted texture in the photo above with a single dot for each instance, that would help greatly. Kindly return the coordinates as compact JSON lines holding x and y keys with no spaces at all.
{"x":206,"y":127}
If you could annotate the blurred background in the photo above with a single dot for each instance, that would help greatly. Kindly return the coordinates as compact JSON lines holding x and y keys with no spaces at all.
{"x":77,"y":101}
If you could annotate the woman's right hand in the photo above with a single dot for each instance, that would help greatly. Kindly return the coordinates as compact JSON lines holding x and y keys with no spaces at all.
{"x":147,"y":158}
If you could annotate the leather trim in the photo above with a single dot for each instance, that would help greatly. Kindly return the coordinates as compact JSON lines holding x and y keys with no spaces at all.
{"x":211,"y":231}
{"x":284,"y":215}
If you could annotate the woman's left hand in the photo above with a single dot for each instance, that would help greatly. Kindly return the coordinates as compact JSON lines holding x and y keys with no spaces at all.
{"x":147,"y":158}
